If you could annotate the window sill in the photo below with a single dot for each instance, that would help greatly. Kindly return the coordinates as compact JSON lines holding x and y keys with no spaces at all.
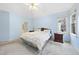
{"x":72,"y":34}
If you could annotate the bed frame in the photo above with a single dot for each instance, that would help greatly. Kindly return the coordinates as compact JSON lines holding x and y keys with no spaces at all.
{"x":35,"y":48}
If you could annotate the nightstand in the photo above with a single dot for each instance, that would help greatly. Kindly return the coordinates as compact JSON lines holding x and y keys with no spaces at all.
{"x":58,"y":37}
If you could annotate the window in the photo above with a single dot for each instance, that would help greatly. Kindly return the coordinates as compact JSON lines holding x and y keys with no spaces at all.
{"x":73,"y":23}
{"x":62,"y":24}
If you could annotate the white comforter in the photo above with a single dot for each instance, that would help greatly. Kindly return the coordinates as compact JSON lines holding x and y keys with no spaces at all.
{"x":37,"y":38}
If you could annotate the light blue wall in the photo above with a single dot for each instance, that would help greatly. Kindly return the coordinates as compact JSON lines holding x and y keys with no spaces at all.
{"x":30,"y":22}
{"x":15,"y":25}
{"x":75,"y":39}
{"x":50,"y":22}
{"x":16,"y":22}
{"x":4,"y":25}
{"x":10,"y":25}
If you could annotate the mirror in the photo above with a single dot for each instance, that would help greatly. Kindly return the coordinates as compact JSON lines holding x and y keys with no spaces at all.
{"x":62,"y":24}
{"x":24,"y":27}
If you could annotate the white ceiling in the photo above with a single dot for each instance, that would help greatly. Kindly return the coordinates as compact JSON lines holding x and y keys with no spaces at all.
{"x":14,"y":7}
{"x":43,"y":8}
{"x":51,"y":8}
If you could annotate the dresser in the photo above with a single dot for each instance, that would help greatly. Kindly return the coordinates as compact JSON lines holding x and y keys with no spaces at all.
{"x":58,"y":37}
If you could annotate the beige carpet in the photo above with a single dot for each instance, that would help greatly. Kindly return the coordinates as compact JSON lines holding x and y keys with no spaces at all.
{"x":52,"y":48}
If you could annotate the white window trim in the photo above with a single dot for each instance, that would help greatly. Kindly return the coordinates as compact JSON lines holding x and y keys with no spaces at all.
{"x":71,"y":25}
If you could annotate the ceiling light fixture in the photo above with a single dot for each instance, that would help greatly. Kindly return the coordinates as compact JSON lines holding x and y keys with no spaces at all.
{"x":32,"y":5}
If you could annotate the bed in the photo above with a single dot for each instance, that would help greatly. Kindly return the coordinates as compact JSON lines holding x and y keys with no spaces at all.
{"x":36,"y":39}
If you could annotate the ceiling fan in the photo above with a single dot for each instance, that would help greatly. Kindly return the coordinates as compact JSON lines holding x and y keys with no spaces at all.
{"x":33,"y":6}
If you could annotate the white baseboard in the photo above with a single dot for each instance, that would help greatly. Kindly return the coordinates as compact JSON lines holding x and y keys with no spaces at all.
{"x":7,"y":42}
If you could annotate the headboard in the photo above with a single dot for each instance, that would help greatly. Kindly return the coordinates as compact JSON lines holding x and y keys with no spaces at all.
{"x":41,"y":29}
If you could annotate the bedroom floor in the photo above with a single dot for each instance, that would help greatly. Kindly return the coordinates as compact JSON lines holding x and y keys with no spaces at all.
{"x":52,"y":48}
